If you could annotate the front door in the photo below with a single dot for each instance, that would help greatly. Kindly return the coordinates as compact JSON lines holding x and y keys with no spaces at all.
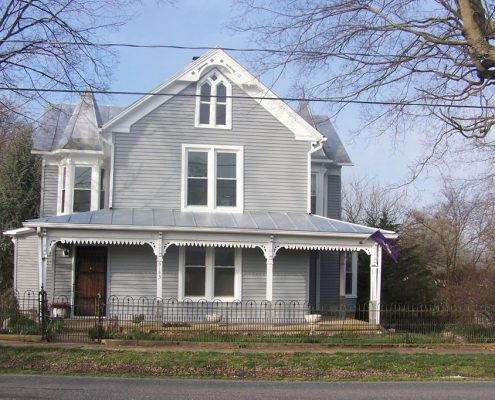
{"x":90,"y":280}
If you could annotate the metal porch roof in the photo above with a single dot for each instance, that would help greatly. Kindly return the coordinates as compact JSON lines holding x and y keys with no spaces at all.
{"x":166,"y":219}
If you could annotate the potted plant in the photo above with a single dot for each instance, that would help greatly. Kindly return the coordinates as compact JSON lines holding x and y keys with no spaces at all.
{"x":60,"y":309}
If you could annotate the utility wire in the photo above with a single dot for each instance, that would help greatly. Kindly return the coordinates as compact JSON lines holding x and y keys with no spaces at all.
{"x":314,"y":99}
{"x":177,"y":47}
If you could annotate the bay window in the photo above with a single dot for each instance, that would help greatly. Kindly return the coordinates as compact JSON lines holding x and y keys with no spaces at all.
{"x":81,"y":188}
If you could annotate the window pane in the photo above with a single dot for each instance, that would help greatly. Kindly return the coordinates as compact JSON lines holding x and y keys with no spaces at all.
{"x":197,"y":192}
{"x":102,"y":189}
{"x":82,"y":177}
{"x":226,"y":163}
{"x":62,"y":206}
{"x":221,"y":93}
{"x":194,"y":281}
{"x":204,"y":113}
{"x":348,"y":283}
{"x":221,"y":114}
{"x":197,"y":164}
{"x":82,"y":200}
{"x":226,"y":193}
{"x":195,"y":255}
{"x":224,"y":256}
{"x":224,"y":282}
{"x":205,"y":92}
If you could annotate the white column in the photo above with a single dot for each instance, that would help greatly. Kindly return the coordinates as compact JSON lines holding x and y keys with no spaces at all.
{"x":159,"y":252}
{"x":43,"y":256}
{"x":375,"y":285}
{"x":269,"y":255}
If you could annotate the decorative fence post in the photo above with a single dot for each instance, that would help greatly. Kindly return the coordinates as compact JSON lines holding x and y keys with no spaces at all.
{"x":43,"y":313}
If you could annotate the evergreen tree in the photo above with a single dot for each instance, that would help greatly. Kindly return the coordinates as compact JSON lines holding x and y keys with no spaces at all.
{"x":19,"y":193}
{"x":407,"y":282}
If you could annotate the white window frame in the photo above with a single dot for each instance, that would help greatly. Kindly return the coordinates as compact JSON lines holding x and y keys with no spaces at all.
{"x":212,"y":177}
{"x":213,"y":101}
{"x":69,"y":186}
{"x":343,"y":274}
{"x":210,"y":276}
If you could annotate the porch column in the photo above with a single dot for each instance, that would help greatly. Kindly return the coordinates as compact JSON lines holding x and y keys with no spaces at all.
{"x":43,"y":257}
{"x":269,"y":255}
{"x":375,"y":284}
{"x":159,"y":252}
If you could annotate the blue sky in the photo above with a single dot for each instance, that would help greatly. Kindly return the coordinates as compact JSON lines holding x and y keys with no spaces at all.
{"x":204,"y":23}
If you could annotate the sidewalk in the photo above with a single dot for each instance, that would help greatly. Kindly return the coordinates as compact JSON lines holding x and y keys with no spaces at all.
{"x":153,"y":346}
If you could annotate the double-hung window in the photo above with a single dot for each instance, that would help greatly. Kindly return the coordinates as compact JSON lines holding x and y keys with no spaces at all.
{"x":212,"y":178}
{"x":210,"y":273}
{"x":214,"y":102}
{"x":350,"y":274}
{"x":81,"y":188}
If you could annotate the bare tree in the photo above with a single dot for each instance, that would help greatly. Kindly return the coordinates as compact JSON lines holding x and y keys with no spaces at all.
{"x":456,"y":233}
{"x":367,"y":202}
{"x":47,"y":44}
{"x":438,"y":55}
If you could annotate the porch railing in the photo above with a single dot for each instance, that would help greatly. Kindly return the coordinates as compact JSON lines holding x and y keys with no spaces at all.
{"x":142,"y":318}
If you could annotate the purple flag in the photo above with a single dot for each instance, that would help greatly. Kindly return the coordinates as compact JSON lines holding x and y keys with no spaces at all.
{"x":385,"y":245}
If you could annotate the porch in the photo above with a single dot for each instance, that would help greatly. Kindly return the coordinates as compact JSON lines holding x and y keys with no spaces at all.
{"x":269,"y":253}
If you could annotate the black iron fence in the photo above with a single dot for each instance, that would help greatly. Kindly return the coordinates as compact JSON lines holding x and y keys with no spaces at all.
{"x":127,"y":318}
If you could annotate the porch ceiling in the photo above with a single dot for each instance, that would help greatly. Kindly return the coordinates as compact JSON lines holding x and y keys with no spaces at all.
{"x":166,"y":219}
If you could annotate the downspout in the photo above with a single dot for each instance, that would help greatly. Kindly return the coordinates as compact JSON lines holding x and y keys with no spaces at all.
{"x":315,"y":146}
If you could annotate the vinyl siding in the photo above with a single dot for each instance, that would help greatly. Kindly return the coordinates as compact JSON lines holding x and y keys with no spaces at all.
{"x":63,"y":276}
{"x":147,"y":170}
{"x":334,"y":197}
{"x":291,"y":276}
{"x":329,"y":278}
{"x":26,"y":277}
{"x":50,"y":188}
{"x":253,"y":275}
{"x":170,"y":273}
{"x":132,"y":271}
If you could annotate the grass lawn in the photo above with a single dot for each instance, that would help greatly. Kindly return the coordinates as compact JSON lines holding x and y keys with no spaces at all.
{"x":288,"y":366}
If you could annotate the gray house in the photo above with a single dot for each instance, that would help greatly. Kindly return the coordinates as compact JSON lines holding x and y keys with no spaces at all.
{"x":209,"y":189}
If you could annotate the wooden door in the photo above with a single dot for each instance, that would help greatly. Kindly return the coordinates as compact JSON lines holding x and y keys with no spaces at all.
{"x":90,"y":279}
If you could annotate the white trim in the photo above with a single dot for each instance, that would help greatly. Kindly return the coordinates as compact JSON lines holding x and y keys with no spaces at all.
{"x":215,"y":58}
{"x":18,"y":231}
{"x":213,"y":100}
{"x":111,"y":173}
{"x":67,"y":152}
{"x":14,"y":241}
{"x":73,"y":279}
{"x":318,"y":280}
{"x":209,"y":276}
{"x":212,"y":150}
{"x":109,"y":272}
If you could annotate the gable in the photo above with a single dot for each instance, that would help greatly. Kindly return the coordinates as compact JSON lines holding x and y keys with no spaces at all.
{"x":236,"y":74}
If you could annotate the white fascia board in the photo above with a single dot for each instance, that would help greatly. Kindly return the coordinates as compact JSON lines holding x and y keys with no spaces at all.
{"x":66,"y":152}
{"x":19,"y":231}
{"x":215,"y":58}
{"x":196,"y":229}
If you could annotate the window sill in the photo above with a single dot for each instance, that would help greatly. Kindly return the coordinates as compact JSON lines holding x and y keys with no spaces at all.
{"x":213,"y":210}
{"x":223,"y":127}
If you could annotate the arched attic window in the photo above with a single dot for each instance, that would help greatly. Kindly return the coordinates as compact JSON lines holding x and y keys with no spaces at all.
{"x":214,"y":102}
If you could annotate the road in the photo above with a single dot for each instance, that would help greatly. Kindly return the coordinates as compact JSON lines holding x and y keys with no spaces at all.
{"x":75,"y":388}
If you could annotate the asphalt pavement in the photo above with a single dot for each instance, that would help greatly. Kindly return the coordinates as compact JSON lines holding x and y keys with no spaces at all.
{"x":75,"y":388}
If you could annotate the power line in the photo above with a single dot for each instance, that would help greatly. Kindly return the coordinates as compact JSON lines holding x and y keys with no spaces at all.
{"x":177,"y":47}
{"x":314,"y":99}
